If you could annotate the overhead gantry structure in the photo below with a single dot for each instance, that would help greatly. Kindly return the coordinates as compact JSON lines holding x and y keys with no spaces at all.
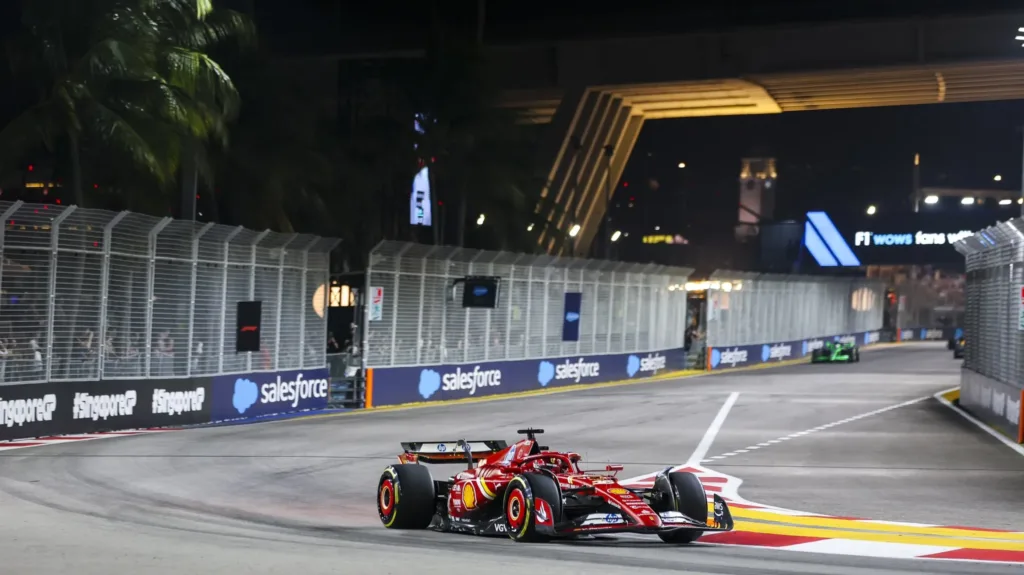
{"x":593,"y":129}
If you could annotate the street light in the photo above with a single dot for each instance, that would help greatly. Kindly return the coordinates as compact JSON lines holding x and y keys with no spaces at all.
{"x":997,"y":178}
{"x":616,"y":236}
{"x":931,"y":200}
{"x":682,"y":165}
{"x":872,"y":210}
{"x":480,"y":220}
{"x":967,"y":201}
{"x":1005,"y":202}
{"x":529,"y":228}
{"x":575,"y":229}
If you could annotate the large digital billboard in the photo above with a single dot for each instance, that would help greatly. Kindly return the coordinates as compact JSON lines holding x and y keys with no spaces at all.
{"x":909,"y":238}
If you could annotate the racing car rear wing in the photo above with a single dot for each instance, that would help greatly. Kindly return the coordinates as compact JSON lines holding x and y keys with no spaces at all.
{"x":460,"y":451}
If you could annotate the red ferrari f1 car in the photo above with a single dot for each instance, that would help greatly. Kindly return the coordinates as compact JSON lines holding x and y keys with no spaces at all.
{"x":533,"y":494}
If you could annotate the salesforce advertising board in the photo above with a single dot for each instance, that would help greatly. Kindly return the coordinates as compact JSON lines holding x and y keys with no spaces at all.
{"x":729,"y":357}
{"x":260,"y":394}
{"x":398,"y":385}
{"x":36,"y":410}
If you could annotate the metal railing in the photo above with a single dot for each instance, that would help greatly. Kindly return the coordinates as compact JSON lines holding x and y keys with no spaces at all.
{"x":994,"y":322}
{"x":94,"y":294}
{"x":747,"y":308}
{"x":625,"y":307}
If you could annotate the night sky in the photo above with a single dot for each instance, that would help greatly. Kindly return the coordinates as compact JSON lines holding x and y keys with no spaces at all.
{"x":835,"y":160}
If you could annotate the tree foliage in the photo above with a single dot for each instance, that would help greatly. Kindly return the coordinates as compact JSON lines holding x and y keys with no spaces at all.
{"x":122,"y":84}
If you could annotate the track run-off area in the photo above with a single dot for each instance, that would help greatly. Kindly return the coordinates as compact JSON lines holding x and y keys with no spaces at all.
{"x":838,"y":469}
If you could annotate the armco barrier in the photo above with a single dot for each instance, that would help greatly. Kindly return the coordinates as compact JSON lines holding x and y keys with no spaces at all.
{"x":245,"y":396}
{"x":766,"y":353}
{"x":399,"y":385}
{"x":44,"y":409}
{"x":996,"y":403}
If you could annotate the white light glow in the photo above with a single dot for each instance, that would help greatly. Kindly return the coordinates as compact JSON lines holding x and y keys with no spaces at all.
{"x":872,"y":210}
{"x":997,"y":178}
{"x":616,"y":236}
{"x":967,"y":201}
{"x":931,"y":200}
{"x":575,"y":229}
{"x":1005,"y":202}
{"x":682,"y":165}
{"x":480,"y":220}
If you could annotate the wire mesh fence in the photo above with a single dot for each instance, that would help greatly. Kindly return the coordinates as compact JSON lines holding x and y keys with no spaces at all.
{"x":625,"y":307}
{"x":94,"y":294}
{"x":994,"y":317}
{"x":747,"y":308}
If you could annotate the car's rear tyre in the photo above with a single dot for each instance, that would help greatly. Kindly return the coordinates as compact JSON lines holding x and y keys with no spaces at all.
{"x":855,"y":355}
{"x":405,"y":497}
{"x":684,"y":493}
{"x":520,"y":505}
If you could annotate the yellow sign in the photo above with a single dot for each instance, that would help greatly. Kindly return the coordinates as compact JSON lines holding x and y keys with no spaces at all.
{"x":469,"y":496}
{"x":665,"y":239}
{"x":618,"y":491}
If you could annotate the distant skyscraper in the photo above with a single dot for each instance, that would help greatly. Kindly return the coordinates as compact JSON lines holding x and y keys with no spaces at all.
{"x":757,"y":196}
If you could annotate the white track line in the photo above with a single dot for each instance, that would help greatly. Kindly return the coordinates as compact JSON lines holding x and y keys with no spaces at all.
{"x":758,"y":446}
{"x":709,"y":436}
{"x":984,"y":427}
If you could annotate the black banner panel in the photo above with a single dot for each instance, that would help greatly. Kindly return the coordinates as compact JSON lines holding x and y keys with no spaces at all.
{"x":42,"y":409}
{"x":249,"y":317}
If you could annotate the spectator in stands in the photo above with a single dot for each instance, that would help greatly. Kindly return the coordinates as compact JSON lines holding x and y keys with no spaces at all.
{"x":332,"y":344}
{"x":164,"y":354}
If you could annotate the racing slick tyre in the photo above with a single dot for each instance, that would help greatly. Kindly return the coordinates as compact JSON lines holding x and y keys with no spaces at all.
{"x":520,"y":505}
{"x":684,"y":493}
{"x":405,"y":497}
{"x":855,"y":355}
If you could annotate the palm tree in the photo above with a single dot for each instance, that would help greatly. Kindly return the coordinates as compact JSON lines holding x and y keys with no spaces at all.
{"x":129,"y":82}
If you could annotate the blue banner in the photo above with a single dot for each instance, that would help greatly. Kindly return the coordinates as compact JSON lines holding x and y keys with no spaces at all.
{"x":728,"y":357}
{"x":397,"y":385}
{"x":571,"y":316}
{"x":250,"y":395}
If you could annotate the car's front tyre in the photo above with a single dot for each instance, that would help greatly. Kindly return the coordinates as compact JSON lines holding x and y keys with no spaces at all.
{"x":523,"y":508}
{"x":682,"y":492}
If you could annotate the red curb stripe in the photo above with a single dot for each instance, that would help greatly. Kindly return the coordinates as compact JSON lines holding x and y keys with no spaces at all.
{"x":21,"y":444}
{"x":980,"y":555}
{"x":66,"y":437}
{"x":751,"y":539}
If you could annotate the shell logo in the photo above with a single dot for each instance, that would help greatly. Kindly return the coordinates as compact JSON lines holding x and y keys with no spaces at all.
{"x":469,"y":497}
{"x":618,"y":491}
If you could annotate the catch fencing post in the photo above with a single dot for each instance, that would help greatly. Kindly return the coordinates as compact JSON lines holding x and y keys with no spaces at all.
{"x":224,"y":296}
{"x":302,"y":316}
{"x":192,"y":296}
{"x":419,"y":314}
{"x":108,"y":231}
{"x":150,"y":296}
{"x":280,"y":299}
{"x":252,"y":284}
{"x":394,"y":298}
{"x":51,"y":313}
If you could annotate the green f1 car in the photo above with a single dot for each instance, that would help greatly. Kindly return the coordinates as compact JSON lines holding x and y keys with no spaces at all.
{"x":836,"y":352}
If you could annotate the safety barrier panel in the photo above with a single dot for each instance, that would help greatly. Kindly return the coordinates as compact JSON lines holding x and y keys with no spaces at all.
{"x":412,"y":319}
{"x":129,"y":312}
{"x":747,"y":309}
{"x":992,"y":378}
